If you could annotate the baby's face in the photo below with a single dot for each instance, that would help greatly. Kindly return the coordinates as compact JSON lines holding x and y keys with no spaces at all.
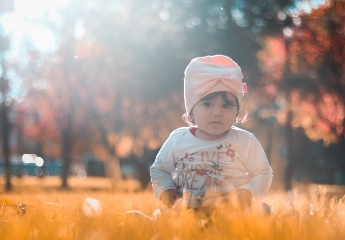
{"x":215,"y":117}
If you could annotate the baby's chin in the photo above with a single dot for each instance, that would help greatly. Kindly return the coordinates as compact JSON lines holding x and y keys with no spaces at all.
{"x":213,"y":135}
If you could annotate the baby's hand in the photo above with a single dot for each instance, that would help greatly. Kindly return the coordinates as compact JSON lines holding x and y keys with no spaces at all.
{"x":170,"y":196}
{"x":244,"y":198}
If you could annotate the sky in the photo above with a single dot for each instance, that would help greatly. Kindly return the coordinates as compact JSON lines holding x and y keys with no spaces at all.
{"x":20,"y":23}
{"x":20,"y":26}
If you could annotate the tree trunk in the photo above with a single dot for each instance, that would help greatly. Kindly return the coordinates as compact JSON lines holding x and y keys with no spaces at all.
{"x":5,"y":147}
{"x":66,"y":153}
{"x":289,"y":158}
{"x":67,"y":142}
{"x":270,"y":135}
{"x":113,"y":170}
{"x":341,"y":157}
{"x":67,"y":134}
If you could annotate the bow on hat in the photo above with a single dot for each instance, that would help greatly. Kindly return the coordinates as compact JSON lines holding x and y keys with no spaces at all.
{"x":204,"y":82}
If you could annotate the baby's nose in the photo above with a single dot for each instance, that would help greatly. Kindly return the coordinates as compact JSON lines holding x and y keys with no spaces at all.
{"x":217,"y":110}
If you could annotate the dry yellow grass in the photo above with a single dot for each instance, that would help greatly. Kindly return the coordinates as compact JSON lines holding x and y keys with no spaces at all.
{"x":99,"y":213}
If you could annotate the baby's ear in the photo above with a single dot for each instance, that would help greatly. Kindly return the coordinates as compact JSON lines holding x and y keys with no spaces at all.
{"x":191,"y":119}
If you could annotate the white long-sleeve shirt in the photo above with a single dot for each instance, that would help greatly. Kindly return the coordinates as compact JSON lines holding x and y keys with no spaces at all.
{"x":198,"y":168}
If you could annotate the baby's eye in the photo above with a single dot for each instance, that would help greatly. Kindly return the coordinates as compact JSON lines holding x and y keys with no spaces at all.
{"x":206,"y":104}
{"x":229,"y":105}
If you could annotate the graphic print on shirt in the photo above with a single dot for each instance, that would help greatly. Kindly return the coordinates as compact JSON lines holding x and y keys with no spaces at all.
{"x":230,"y":152}
{"x":204,"y":170}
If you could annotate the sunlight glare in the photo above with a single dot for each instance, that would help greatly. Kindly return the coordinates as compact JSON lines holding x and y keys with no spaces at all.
{"x":21,"y":24}
{"x":36,"y":8}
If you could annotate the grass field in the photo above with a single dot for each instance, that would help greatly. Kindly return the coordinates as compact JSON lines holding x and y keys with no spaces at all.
{"x":92,"y":210}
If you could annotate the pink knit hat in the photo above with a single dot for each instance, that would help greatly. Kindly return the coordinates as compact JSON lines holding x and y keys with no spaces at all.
{"x":209,"y":74}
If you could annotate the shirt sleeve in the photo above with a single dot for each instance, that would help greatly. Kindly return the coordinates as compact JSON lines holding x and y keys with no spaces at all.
{"x":259,"y":170}
{"x":162,"y":169}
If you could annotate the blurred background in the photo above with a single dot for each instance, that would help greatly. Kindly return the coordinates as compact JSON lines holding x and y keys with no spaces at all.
{"x":94,"y":87}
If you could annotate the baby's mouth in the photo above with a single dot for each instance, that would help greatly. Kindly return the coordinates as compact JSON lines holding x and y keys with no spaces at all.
{"x":215,"y":122}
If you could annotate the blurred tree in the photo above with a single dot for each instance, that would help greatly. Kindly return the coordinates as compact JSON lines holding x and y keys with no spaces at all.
{"x":54,"y":101}
{"x":309,"y":71}
{"x":94,"y":94}
{"x":5,"y":7}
